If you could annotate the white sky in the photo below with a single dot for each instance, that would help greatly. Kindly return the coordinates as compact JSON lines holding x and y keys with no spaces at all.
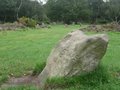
{"x":105,"y":0}
{"x":44,"y":1}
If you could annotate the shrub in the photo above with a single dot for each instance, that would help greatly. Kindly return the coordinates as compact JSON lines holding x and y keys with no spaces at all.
{"x":27,"y":22}
{"x":101,"y":21}
{"x":23,"y":20}
{"x":31,"y":23}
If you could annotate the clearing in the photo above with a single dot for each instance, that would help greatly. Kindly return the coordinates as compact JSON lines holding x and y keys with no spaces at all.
{"x":20,"y":51}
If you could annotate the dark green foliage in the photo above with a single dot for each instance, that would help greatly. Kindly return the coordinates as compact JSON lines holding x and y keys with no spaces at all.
{"x":32,"y":9}
{"x":11,"y":10}
{"x":67,"y":11}
{"x":91,"y":11}
{"x":102,"y":21}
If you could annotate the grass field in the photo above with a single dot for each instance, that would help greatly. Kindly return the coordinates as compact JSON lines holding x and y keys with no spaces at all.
{"x":20,"y":51}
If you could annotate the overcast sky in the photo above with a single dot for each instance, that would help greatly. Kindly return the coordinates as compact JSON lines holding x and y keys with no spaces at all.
{"x":45,"y":1}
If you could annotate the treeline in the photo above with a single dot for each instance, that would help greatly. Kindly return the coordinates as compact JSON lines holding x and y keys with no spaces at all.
{"x":66,"y":11}
{"x":11,"y":10}
{"x":93,"y":11}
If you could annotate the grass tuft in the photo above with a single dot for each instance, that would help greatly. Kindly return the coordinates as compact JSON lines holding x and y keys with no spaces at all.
{"x":3,"y":79}
{"x":38,"y":68}
{"x":21,"y":88}
{"x":93,"y":79}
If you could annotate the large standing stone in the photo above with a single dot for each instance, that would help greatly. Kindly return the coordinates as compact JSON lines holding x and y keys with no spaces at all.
{"x":77,"y":53}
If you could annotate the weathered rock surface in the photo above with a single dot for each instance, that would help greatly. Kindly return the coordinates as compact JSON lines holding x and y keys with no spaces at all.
{"x":74,"y":55}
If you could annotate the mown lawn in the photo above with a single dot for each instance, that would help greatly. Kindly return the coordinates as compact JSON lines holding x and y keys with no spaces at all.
{"x":20,"y":51}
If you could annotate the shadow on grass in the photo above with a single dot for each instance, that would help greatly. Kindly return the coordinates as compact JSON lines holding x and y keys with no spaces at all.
{"x":93,"y":79}
{"x":38,"y":68}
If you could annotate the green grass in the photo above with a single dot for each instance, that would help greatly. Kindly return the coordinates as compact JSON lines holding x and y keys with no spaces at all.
{"x":20,"y":51}
{"x":21,"y":88}
{"x":91,"y":80}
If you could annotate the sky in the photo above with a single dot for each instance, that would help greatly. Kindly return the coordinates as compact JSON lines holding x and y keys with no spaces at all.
{"x":105,"y":0}
{"x":44,"y":1}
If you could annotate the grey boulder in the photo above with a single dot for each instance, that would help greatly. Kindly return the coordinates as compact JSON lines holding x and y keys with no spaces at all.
{"x":74,"y":55}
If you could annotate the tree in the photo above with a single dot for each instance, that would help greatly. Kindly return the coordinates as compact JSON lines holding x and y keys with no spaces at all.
{"x":13,"y":9}
{"x":114,"y":10}
{"x":97,"y":8}
{"x":21,"y":2}
{"x":68,"y":10}
{"x":7,"y":10}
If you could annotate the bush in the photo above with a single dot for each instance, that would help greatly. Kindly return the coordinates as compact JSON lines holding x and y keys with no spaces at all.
{"x":31,"y":23}
{"x":101,"y":21}
{"x":27,"y":22}
{"x":47,"y":21}
{"x":23,"y":20}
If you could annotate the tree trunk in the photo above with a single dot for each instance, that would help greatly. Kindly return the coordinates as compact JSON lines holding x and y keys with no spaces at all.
{"x":19,"y":10}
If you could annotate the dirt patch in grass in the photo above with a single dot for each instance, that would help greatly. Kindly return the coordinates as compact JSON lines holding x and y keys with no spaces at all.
{"x":21,"y":81}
